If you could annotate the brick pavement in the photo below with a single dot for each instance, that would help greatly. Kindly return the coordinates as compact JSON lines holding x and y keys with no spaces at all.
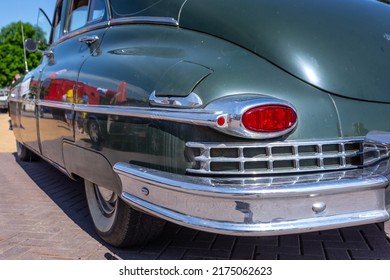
{"x":43,"y":215}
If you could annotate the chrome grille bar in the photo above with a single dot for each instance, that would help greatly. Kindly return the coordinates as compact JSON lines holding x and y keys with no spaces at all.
{"x":281,"y":157}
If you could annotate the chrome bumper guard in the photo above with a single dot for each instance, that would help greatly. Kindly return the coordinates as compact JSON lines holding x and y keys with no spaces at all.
{"x":265,"y":205}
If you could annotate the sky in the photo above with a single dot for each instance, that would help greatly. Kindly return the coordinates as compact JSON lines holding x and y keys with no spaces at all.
{"x":24,"y":10}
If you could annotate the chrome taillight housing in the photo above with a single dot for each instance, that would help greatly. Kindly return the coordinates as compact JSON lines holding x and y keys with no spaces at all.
{"x":255,"y":116}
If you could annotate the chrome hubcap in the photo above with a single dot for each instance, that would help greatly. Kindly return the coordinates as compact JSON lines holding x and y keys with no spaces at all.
{"x":107,"y":200}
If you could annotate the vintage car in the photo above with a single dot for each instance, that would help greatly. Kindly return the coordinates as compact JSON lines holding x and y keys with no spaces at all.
{"x":247,"y":118}
{"x":4,"y":100}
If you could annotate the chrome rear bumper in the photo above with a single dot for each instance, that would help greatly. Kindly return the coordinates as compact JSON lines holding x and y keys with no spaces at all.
{"x":259,"y":206}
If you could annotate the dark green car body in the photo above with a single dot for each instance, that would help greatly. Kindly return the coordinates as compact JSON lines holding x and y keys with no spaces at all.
{"x":146,"y":100}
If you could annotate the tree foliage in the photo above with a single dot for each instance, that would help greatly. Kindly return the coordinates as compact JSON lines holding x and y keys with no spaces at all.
{"x":11,"y":51}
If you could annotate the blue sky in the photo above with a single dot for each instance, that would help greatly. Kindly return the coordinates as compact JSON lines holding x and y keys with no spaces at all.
{"x":24,"y":10}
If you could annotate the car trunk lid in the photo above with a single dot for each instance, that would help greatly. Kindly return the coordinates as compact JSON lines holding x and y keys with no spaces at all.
{"x":340,"y":46}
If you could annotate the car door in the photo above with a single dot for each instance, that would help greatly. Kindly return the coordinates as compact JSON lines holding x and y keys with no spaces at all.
{"x":77,"y":31}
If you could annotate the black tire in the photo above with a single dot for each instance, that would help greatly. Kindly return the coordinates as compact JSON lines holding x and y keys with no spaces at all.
{"x":25,"y":154}
{"x":116,"y":222}
{"x":386,"y":226}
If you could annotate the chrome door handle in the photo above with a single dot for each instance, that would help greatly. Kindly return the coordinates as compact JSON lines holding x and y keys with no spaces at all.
{"x":89,"y":40}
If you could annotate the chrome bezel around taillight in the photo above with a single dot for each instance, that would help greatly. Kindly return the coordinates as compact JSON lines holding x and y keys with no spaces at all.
{"x":236,"y":105}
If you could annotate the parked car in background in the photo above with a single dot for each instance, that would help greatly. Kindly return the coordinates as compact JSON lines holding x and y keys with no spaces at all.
{"x":249,"y":118}
{"x":4,"y":100}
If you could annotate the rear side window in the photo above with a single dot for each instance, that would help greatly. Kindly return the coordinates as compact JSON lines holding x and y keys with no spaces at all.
{"x":98,"y":10}
{"x":78,"y":15}
{"x":71,"y":15}
{"x":57,"y":29}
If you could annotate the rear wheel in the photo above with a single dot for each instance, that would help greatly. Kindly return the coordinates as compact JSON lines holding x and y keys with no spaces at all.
{"x":24,"y":153}
{"x":116,"y":222}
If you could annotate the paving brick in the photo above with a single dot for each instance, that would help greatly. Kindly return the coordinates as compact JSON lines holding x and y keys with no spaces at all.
{"x":266,"y":256}
{"x":289,"y":240}
{"x":205,"y":237}
{"x":14,"y":252}
{"x":262,"y":240}
{"x":337,"y":254}
{"x":54,"y":253}
{"x":173,"y":254}
{"x":352,"y":234}
{"x":243,"y":252}
{"x":189,"y":245}
{"x":224,"y":242}
{"x":5,"y":246}
{"x":371,"y":229}
{"x":312,"y":248}
{"x":382,"y":254}
{"x":300,"y":257}
{"x":320,"y":236}
{"x":207,"y":254}
{"x":289,"y":250}
{"x":157,"y":246}
{"x":346,"y":245}
{"x":186,"y":234}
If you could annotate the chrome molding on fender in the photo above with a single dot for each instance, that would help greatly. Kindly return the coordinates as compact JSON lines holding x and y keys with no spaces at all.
{"x":145,"y":20}
{"x":56,"y":104}
{"x":195,"y":116}
{"x":190,"y":101}
{"x":223,"y":114}
{"x":192,"y":116}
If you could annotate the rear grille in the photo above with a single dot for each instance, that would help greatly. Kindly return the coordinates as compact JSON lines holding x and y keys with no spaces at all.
{"x":280,"y":157}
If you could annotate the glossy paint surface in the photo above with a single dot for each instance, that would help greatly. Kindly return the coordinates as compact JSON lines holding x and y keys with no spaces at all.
{"x":339,"y":46}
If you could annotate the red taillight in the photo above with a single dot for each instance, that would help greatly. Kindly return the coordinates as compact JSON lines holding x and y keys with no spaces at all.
{"x":269,"y":118}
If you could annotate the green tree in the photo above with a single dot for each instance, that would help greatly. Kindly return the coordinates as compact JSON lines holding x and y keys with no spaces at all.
{"x":11,"y":51}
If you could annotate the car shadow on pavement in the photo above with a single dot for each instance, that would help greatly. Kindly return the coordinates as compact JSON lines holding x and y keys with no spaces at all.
{"x":69,"y":196}
{"x":65,"y":192}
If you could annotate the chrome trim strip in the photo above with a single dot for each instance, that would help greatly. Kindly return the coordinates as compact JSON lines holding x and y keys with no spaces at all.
{"x":145,"y":20}
{"x":256,"y":207}
{"x":255,"y":187}
{"x":190,"y":101}
{"x":55,"y":104}
{"x":85,"y":29}
{"x":220,"y":114}
{"x":190,"y":116}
